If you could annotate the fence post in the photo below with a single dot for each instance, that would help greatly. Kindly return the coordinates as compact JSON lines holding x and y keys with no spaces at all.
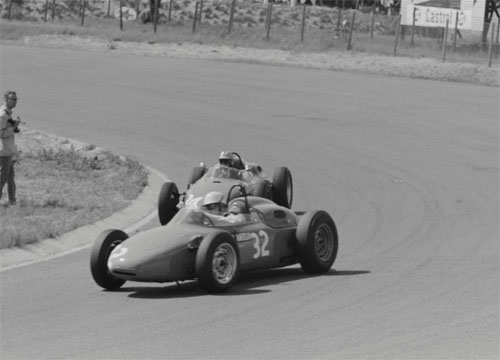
{"x":397,"y":35}
{"x":496,"y":42}
{"x":137,"y":8}
{"x":269,"y":19}
{"x":121,"y":15}
{"x":372,"y":25}
{"x":201,"y":12}
{"x":413,"y":27}
{"x":156,"y":13}
{"x":492,"y":40}
{"x":195,"y":16}
{"x":46,"y":11}
{"x":84,"y":3}
{"x":455,"y":33}
{"x":53,"y":9}
{"x":9,"y":10}
{"x":303,"y":25}
{"x":109,"y":8}
{"x":339,"y":18}
{"x":231,"y":16}
{"x":170,"y":10}
{"x":445,"y":39}
{"x":349,"y":43}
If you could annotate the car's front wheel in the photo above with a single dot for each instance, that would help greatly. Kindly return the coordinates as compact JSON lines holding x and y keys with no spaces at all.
{"x":217,"y":262}
{"x":105,"y":243}
{"x":167,"y":202}
{"x":317,"y":240}
{"x":283,"y":187}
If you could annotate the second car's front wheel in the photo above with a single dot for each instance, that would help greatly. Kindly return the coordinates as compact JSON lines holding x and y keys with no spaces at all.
{"x":217,"y":262}
{"x":167,"y":202}
{"x":283,"y":187}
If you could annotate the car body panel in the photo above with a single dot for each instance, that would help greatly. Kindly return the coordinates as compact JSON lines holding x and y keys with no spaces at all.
{"x":265,"y":238}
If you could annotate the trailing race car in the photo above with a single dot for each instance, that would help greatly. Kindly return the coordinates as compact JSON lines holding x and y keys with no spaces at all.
{"x":214,"y":249}
{"x":228,"y":172}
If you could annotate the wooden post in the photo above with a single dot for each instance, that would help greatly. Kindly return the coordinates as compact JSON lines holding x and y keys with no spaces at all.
{"x":137,"y":8}
{"x":269,"y":20}
{"x":84,"y":3}
{"x":496,"y":42}
{"x":170,"y":4}
{"x":413,"y":27}
{"x":372,"y":22}
{"x":201,"y":12}
{"x":121,"y":15}
{"x":445,"y":39}
{"x":231,"y":16}
{"x":156,"y":13}
{"x":109,"y":8}
{"x":349,"y":42}
{"x":195,"y":16}
{"x":53,"y":9}
{"x":46,"y":10}
{"x":397,"y":35}
{"x":492,"y":40}
{"x":9,"y":10}
{"x":303,"y":25}
{"x":339,"y":19}
{"x":455,"y":33}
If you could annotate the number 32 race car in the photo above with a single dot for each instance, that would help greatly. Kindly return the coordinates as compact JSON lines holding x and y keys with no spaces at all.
{"x":215,"y":249}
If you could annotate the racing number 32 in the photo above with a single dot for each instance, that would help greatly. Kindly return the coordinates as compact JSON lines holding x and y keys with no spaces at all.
{"x":261,"y":242}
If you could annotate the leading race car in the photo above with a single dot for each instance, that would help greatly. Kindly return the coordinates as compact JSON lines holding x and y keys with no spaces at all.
{"x":215,"y":248}
{"x":230,"y":170}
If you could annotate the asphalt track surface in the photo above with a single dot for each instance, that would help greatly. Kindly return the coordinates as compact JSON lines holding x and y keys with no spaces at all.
{"x":409,"y":170}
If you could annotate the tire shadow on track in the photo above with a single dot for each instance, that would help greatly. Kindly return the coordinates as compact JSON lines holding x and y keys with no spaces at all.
{"x":249,"y":283}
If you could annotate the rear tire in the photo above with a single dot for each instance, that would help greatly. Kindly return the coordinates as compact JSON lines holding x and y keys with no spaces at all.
{"x":283,"y":187}
{"x":263,"y":190}
{"x":317,"y":240}
{"x":101,"y":249}
{"x":167,"y":202}
{"x":217,"y":262}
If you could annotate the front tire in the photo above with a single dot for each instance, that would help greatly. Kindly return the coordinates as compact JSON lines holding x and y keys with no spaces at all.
{"x":217,"y":262}
{"x":101,"y":249}
{"x":283,"y":187}
{"x":167,"y":202}
{"x":317,"y":242}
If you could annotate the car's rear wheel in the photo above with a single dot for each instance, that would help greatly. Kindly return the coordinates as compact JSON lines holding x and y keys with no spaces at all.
{"x":167,"y":202}
{"x":317,"y":240}
{"x":263,"y":190}
{"x":196,"y":174}
{"x":217,"y":262}
{"x":283,"y":187}
{"x":105,"y":243}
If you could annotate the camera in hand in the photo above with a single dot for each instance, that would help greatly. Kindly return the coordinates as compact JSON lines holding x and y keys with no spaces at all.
{"x":16,"y":129}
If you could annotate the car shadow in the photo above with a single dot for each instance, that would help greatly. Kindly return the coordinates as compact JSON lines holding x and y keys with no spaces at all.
{"x":249,"y":283}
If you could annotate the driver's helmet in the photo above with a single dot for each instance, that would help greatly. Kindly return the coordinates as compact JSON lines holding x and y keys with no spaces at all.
{"x":226,"y":158}
{"x":237,"y":207}
{"x":212,"y":202}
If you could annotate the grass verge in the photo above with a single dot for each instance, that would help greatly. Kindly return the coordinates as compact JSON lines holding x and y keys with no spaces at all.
{"x":62,"y":186}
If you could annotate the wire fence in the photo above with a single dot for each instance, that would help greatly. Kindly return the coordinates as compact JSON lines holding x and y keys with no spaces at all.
{"x":350,"y":24}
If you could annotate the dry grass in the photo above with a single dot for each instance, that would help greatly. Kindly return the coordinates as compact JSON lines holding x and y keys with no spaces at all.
{"x":62,"y":185}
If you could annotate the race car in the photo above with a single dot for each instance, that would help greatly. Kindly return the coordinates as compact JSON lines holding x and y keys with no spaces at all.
{"x":221,"y":177}
{"x":214,"y":250}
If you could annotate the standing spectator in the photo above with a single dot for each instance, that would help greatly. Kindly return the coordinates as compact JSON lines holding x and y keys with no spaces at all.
{"x":8,"y":153}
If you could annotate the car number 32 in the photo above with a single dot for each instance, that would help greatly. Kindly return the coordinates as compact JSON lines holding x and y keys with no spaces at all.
{"x":261,"y":242}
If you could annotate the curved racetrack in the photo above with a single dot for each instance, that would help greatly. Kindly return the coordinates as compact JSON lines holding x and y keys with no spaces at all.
{"x":409,"y":169}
